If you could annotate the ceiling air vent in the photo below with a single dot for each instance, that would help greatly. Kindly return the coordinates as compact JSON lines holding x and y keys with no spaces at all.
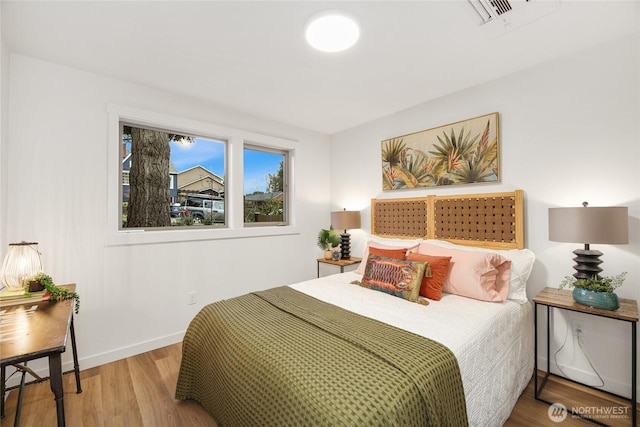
{"x":497,"y":17}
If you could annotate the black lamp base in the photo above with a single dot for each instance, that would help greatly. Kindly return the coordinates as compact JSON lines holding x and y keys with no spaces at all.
{"x":587,"y":263}
{"x":345,"y":245}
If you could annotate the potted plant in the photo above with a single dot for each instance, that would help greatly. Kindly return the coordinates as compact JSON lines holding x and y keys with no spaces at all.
{"x":328,"y":240}
{"x":596,"y":291}
{"x":55,"y":293}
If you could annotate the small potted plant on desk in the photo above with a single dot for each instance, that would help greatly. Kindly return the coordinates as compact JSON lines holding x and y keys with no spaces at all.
{"x":42,"y":281}
{"x":328,"y":241}
{"x":596,"y":291}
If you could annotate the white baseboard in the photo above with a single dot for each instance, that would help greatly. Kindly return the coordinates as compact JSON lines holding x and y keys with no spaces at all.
{"x":92,"y":361}
{"x":124,"y":352}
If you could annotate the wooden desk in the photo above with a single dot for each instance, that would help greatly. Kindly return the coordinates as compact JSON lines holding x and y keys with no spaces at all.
{"x":33,"y":331}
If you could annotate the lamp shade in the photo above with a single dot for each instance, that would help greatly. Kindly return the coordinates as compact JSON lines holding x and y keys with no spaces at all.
{"x":21,"y":262}
{"x":345,"y":220}
{"x":605,"y":225}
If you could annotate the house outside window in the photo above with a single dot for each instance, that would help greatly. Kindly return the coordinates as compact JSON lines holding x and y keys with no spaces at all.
{"x":187,"y":160}
{"x":265,"y":183}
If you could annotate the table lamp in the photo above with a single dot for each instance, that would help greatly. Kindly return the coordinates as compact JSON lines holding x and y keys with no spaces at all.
{"x":345,"y":220}
{"x":605,"y":225}
{"x":20,"y":263}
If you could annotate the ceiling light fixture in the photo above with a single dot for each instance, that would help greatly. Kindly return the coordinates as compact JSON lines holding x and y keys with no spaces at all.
{"x":332,"y":31}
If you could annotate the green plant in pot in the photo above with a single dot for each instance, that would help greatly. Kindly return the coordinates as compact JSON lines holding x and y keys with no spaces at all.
{"x":596,"y":291}
{"x":56,"y":293}
{"x":328,"y":241}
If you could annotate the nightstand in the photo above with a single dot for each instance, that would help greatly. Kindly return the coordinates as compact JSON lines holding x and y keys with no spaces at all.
{"x":563,"y":299}
{"x":342,"y":263}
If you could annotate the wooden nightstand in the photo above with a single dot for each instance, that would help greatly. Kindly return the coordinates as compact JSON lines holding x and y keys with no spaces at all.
{"x":342,"y":263}
{"x":562,"y":299}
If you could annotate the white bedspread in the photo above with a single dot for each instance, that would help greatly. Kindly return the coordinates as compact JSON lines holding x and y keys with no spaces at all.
{"x":493,"y":342}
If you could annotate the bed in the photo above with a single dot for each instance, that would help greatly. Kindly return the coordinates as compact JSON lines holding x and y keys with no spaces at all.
{"x":335,"y":351}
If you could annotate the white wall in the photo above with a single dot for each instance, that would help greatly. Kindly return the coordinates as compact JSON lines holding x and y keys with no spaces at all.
{"x":568,"y":133}
{"x":134,"y":297}
{"x":4,"y":139}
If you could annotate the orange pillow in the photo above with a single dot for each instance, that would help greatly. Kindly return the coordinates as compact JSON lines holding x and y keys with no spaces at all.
{"x":431,"y":287}
{"x":372,"y":244}
{"x":389,"y":253}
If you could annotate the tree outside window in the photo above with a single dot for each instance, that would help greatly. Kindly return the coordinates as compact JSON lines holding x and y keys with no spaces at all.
{"x":169,"y":179}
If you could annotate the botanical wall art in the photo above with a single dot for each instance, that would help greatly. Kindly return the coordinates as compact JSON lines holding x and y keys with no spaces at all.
{"x":463,"y":152}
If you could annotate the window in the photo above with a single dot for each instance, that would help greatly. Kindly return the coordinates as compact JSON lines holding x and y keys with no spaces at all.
{"x":170,"y":179}
{"x":265,"y":182}
{"x":219,"y":196}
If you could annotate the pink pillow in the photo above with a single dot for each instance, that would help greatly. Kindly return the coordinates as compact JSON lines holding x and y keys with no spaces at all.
{"x":372,"y":244}
{"x":481,"y":275}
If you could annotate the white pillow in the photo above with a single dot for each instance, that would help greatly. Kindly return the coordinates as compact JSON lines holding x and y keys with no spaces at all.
{"x":396,"y":242}
{"x":521,"y":265}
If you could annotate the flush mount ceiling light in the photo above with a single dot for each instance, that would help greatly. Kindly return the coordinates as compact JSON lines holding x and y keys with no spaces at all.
{"x":332,"y":31}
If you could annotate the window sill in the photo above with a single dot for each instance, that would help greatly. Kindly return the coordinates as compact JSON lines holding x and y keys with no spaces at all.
{"x":145,"y":237}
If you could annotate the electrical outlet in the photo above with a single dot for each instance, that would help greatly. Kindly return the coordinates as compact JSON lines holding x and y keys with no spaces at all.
{"x":192,"y":298}
{"x":578,"y":327}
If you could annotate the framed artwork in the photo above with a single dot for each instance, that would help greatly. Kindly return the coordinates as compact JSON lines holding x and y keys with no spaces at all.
{"x":464,"y":152}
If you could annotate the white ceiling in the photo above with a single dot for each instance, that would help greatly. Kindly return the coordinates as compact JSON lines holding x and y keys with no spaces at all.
{"x":251,"y":56}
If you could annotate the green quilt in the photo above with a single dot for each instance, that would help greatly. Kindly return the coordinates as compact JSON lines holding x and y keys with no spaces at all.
{"x":282,"y":358}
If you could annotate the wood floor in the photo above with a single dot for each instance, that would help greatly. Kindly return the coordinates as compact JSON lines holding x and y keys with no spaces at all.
{"x":531,"y":412}
{"x":133,"y":392}
{"x":138,"y":392}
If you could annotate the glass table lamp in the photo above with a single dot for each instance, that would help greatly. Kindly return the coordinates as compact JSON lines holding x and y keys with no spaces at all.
{"x":20,"y":263}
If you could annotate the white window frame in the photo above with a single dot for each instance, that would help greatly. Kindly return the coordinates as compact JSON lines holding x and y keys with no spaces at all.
{"x":234,"y":194}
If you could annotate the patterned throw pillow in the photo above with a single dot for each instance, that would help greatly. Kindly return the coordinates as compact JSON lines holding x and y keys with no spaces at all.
{"x":413,"y":245}
{"x":395,"y":277}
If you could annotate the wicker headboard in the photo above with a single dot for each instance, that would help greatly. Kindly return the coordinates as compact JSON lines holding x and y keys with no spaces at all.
{"x":492,"y":220}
